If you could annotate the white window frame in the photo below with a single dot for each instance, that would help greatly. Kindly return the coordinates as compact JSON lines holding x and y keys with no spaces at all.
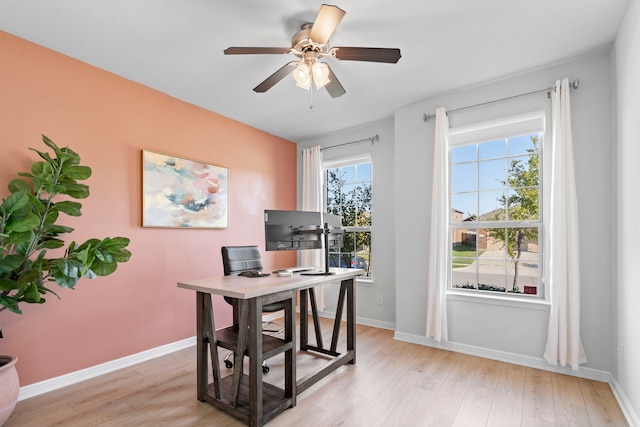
{"x":521,"y":124}
{"x":350,"y":161}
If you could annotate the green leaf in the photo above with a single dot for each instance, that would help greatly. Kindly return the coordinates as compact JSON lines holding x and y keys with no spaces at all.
{"x":10,"y":303}
{"x":68,"y":268}
{"x":44,"y":155}
{"x":68,"y":207}
{"x":121,"y":255}
{"x":26,"y":224}
{"x":50,"y":143}
{"x":77,"y":191}
{"x":116,"y":247}
{"x":116,"y":242}
{"x":65,"y":281}
{"x":10,"y":263}
{"x":15,"y":238}
{"x":78,"y":172}
{"x":89,"y":244}
{"x":37,"y":168}
{"x":15,"y":202}
{"x":67,"y":156}
{"x":32,"y":295}
{"x":103,"y":256}
{"x":17,"y":185}
{"x":58,"y":229}
{"x":50,"y":244}
{"x":103,"y":268}
{"x":8,"y":285}
{"x":73,"y":156}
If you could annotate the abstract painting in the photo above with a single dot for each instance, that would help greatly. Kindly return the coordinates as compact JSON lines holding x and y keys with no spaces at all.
{"x":183,"y":193}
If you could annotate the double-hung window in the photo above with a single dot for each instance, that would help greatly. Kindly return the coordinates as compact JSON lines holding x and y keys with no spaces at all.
{"x":496,"y":222}
{"x":349,"y":195}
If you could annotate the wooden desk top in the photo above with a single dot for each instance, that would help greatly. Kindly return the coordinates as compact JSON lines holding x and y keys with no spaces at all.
{"x":250,"y":287}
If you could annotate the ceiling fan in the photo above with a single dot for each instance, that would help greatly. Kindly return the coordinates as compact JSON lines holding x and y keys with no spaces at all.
{"x":311,"y":44}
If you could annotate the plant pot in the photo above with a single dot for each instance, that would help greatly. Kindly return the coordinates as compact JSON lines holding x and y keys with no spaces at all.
{"x":9,"y":386}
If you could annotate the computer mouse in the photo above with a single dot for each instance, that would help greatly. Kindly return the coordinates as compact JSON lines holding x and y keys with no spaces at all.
{"x":252,"y":273}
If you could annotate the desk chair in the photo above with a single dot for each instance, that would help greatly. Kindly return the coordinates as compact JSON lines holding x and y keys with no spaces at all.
{"x":236,"y":259}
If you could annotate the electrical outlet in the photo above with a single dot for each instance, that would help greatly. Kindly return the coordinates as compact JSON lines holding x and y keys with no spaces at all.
{"x":621,"y":353}
{"x":379,"y":301}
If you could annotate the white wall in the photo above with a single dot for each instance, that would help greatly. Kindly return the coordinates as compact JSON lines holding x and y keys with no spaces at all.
{"x":382,"y":234}
{"x":519,"y":330}
{"x":606,"y":109}
{"x":627,"y":64}
{"x":402,"y":190}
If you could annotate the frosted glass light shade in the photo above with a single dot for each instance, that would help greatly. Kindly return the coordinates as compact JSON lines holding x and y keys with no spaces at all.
{"x":320,"y":72}
{"x":302,"y":76}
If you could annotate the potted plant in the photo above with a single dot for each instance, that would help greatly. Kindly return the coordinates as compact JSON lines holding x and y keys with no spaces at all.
{"x":29,"y":233}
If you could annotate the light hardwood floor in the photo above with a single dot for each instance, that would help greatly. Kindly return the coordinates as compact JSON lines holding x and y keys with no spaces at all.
{"x":393,"y":383}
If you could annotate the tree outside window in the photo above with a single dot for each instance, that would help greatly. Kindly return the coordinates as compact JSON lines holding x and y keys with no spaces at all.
{"x":349,"y":195}
{"x":496,"y":221}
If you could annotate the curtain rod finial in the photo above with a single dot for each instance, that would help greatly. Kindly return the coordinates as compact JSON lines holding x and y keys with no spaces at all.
{"x":575,"y":83}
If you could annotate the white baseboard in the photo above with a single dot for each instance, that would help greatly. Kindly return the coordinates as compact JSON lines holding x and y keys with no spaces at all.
{"x":628,"y":411}
{"x":531,"y":362}
{"x":503,"y":356}
{"x":375,"y":323}
{"x":52,"y":384}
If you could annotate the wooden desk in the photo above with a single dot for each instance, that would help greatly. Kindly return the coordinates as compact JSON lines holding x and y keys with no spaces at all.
{"x":247,"y":397}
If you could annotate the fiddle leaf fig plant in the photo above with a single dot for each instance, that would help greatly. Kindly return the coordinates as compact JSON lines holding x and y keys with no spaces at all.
{"x":29,"y":229}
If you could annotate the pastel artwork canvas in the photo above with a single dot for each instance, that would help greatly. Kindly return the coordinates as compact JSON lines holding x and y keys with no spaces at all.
{"x":183,"y":193}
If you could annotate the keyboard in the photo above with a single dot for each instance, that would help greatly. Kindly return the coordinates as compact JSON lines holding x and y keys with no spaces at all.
{"x":297,"y":269}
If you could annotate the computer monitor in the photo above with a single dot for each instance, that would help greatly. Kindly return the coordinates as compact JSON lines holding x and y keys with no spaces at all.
{"x":300,"y":230}
{"x":292,"y":230}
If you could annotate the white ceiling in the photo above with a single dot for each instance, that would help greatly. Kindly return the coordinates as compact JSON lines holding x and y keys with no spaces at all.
{"x":175,"y":46}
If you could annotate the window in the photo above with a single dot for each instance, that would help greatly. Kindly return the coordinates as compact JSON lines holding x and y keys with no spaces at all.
{"x":349,"y":195}
{"x":496,"y":219}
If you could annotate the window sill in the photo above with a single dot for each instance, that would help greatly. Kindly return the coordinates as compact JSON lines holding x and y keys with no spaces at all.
{"x":505,"y":301}
{"x":365,"y":281}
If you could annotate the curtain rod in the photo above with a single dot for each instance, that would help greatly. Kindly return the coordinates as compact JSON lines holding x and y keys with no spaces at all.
{"x":574,"y":85}
{"x":373,"y":139}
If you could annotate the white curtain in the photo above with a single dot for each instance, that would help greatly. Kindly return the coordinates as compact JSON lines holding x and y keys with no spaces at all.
{"x":312,"y":200}
{"x":437,"y":280}
{"x":564,"y":345}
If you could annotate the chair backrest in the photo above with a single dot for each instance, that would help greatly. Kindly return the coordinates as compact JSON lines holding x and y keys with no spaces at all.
{"x":240,"y":258}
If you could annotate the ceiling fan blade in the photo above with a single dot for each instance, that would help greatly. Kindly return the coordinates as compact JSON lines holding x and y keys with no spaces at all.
{"x":371,"y":54}
{"x":256,"y":50}
{"x":334,"y":87}
{"x":326,"y":23}
{"x":274,"y":78}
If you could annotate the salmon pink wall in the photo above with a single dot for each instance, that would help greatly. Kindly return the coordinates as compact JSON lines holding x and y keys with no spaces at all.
{"x":108,"y":120}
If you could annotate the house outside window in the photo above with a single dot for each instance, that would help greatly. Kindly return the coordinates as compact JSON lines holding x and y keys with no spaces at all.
{"x":348,"y":189}
{"x":496,"y":222}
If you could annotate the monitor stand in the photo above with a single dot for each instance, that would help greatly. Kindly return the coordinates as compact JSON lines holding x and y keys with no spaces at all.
{"x":326,"y":271}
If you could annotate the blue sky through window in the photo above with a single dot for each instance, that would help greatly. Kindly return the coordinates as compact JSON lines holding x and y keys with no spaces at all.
{"x":479,"y":170}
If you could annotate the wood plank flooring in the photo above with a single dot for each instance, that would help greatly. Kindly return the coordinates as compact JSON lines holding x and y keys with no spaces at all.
{"x":393,"y":383}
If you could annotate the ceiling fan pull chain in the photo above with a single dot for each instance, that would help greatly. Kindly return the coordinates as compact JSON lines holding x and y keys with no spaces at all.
{"x":311,"y":98}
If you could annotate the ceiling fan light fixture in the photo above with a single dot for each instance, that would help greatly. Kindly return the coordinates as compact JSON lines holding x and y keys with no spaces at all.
{"x":302,"y":76}
{"x":320,"y":72}
{"x":311,"y":44}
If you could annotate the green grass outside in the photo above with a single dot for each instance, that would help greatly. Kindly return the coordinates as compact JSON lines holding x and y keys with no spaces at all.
{"x":462,"y":256}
